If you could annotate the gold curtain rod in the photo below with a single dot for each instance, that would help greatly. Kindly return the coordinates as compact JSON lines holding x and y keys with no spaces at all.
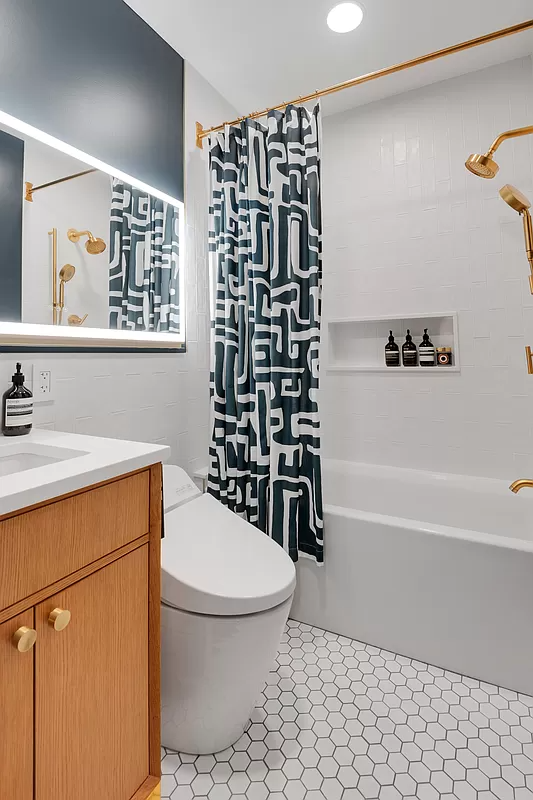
{"x":30,"y":188}
{"x":371,"y":76}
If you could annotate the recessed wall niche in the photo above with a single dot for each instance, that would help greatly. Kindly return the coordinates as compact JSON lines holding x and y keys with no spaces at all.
{"x":358,"y":344}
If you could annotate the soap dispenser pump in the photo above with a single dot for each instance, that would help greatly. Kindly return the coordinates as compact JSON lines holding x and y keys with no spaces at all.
{"x":17,"y":407}
{"x":392,"y":353}
{"x":409,"y":351}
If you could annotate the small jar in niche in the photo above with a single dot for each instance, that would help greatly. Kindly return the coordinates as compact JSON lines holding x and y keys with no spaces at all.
{"x":444,"y":356}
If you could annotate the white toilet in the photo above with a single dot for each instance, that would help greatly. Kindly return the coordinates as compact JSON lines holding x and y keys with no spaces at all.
{"x":225,"y":598}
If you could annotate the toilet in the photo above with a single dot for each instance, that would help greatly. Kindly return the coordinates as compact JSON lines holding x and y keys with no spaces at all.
{"x":225,"y":598}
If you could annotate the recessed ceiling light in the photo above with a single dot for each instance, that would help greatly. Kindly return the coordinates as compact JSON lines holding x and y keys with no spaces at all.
{"x":345,"y":17}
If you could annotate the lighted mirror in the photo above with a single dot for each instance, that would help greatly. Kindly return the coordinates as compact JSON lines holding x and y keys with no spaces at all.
{"x":101,"y":254}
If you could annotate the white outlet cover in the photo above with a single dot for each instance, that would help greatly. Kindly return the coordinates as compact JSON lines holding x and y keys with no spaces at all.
{"x":31,"y":372}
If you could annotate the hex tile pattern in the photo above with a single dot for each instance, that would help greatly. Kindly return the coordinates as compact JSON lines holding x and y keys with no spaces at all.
{"x":341,"y":720}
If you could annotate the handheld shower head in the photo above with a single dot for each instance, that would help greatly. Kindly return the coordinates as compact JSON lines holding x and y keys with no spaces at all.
{"x":519,"y":202}
{"x":93,"y":245}
{"x":66,"y":273}
{"x":482,"y":165}
{"x":514,"y":198}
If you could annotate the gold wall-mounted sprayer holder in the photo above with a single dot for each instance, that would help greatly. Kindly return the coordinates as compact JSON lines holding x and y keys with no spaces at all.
{"x":529,"y":359}
{"x":53,"y":234}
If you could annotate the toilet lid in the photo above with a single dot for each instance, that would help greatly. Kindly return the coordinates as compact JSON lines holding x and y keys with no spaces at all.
{"x":214,"y":562}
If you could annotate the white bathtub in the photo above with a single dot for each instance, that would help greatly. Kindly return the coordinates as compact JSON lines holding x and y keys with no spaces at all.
{"x":435,"y":567}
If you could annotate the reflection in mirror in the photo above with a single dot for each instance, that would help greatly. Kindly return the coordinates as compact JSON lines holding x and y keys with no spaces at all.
{"x":96,"y":252}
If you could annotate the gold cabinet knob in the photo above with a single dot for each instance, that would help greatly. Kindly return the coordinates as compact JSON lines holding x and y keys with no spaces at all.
{"x":24,"y":639}
{"x":59,"y":618}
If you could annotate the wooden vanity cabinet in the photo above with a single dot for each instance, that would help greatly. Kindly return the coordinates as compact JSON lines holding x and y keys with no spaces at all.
{"x":79,"y":707}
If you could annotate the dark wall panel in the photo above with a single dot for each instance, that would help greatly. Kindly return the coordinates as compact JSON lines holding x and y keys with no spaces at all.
{"x":98,"y":77}
{"x":11,"y":177}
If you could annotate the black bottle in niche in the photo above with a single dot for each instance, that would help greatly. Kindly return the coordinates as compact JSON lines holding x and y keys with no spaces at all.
{"x":426,"y":351}
{"x":17,"y":407}
{"x":392,"y":353}
{"x":409,"y":351}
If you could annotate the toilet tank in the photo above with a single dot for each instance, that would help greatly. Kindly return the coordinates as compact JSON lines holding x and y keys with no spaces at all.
{"x":178,"y":487}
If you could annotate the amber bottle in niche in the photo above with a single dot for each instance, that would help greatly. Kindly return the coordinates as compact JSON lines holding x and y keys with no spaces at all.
{"x":409,"y":351}
{"x":426,"y":351}
{"x":392,"y":353}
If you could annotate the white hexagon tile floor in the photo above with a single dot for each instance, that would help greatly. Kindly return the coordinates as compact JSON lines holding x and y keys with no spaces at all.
{"x":342,"y":720}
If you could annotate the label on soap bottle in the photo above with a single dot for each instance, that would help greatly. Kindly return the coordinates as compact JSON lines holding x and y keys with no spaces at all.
{"x":19,"y":411}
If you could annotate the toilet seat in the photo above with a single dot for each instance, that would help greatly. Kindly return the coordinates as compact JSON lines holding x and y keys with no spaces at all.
{"x":215,"y":563}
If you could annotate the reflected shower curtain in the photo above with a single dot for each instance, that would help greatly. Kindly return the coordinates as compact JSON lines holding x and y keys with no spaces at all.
{"x":144,"y":262}
{"x":265,"y":258}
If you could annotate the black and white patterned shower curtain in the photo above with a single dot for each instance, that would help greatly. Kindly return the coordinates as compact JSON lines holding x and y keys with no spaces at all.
{"x":265,"y":257}
{"x":144,"y":262}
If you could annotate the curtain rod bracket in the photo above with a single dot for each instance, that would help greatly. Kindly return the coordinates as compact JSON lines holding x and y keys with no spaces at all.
{"x":199,"y":135}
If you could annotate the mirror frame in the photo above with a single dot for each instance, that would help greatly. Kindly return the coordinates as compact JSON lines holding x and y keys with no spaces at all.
{"x":24,"y":337}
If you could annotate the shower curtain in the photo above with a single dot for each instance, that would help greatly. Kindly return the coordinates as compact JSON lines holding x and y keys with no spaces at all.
{"x":144,"y":262}
{"x":265,"y":260}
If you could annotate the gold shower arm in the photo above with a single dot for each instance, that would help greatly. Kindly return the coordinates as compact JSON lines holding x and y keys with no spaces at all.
{"x":512,"y":134}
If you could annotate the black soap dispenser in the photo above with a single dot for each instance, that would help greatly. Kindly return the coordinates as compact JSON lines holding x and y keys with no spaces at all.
{"x":17,"y":407}
{"x":426,"y":351}
{"x":409,"y":351}
{"x":392,"y":353}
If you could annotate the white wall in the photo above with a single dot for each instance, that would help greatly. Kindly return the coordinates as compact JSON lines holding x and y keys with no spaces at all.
{"x":409,"y":230}
{"x":83,"y":204}
{"x":150,"y":397}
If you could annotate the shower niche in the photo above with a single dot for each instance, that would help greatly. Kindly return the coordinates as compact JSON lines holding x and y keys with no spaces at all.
{"x":358,"y":344}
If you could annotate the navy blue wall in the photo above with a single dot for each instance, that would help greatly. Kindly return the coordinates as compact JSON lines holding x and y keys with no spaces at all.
{"x":11,"y":177}
{"x":98,"y":77}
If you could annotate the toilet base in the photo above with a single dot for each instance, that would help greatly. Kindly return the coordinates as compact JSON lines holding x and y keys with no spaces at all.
{"x":212,"y":672}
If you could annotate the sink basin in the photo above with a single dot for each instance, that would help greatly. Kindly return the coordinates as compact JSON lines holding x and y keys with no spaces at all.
{"x":21,"y":456}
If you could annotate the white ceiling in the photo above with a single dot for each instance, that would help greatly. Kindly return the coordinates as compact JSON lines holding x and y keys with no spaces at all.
{"x":259,"y":53}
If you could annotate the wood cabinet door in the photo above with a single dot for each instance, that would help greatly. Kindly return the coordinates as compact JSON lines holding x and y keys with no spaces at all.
{"x":16,"y":712}
{"x":91,"y":686}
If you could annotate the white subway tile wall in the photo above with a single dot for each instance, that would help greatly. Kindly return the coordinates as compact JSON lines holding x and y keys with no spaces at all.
{"x":162,"y":398}
{"x":409,"y":230}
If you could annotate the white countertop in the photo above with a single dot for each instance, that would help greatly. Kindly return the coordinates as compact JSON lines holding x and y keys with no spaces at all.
{"x":101,"y":460}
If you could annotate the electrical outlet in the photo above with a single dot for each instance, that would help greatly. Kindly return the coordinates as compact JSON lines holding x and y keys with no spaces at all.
{"x":43,"y":384}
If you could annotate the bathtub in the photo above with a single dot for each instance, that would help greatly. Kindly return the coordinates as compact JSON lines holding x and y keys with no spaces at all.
{"x":432,"y":566}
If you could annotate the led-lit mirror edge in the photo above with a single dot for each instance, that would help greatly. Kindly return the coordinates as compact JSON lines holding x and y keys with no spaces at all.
{"x":27,"y":336}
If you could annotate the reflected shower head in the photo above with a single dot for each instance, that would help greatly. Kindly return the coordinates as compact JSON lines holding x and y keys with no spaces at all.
{"x":514,"y":198}
{"x":482,"y":165}
{"x":93,"y":245}
{"x":66,"y":273}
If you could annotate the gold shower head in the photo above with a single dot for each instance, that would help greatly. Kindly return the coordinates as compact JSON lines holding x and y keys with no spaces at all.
{"x":482,"y":165}
{"x":93,"y":245}
{"x":514,"y":198}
